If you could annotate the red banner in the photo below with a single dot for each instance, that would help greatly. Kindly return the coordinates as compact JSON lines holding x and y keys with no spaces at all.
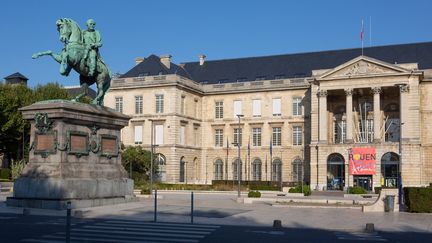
{"x":362,"y":161}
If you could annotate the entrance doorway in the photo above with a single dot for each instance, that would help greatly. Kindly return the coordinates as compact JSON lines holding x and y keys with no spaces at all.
{"x":364,"y":181}
{"x":335,"y":172}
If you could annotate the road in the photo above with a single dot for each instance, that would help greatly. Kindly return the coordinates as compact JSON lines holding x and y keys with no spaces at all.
{"x":51,"y":229}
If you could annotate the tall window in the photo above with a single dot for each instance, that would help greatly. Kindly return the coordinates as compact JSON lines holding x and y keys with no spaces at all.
{"x":182,"y":104}
{"x":256,"y":108}
{"x":297,"y":135}
{"x":277,"y":136}
{"x":392,"y":132}
{"x":182,"y":134}
{"x":196,"y":134}
{"x":138,"y":104}
{"x":277,"y":107}
{"x":256,"y":136}
{"x":340,"y":131}
{"x":276,"y":170}
{"x":219,"y":110}
{"x":182,"y":169}
{"x":218,"y":138}
{"x":297,"y":170}
{"x":238,"y":136}
{"x":236,"y":169}
{"x":256,"y":170}
{"x":297,"y":106}
{"x":159,"y":134}
{"x":159,"y":103}
{"x":237,"y":108}
{"x":160,"y":160}
{"x":218,"y":170}
{"x":119,"y":104}
{"x":366,"y":130}
{"x":138,"y":134}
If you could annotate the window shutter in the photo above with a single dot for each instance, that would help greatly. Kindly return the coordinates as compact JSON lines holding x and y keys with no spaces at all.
{"x":159,"y":134}
{"x":182,"y":135}
{"x":138,"y":134}
{"x":256,"y":108}
{"x":237,"y":108}
{"x":276,"y":106}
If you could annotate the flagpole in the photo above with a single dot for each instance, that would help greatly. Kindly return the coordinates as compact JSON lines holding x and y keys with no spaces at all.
{"x":226,"y":162}
{"x":370,"y":30}
{"x":361,"y":36}
{"x":266,"y":166}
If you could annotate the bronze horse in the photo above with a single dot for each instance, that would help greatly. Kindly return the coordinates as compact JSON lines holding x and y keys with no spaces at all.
{"x":73,"y":56}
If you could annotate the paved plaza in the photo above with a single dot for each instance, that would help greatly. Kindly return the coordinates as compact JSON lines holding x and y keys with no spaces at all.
{"x":217,"y":217}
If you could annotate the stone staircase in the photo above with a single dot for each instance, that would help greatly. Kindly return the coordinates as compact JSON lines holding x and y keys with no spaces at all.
{"x":6,"y":186}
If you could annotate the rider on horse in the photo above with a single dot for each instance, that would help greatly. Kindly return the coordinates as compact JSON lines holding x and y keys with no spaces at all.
{"x":92,"y":40}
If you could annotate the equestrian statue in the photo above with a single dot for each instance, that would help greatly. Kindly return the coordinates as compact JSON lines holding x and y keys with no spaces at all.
{"x":81,"y":53}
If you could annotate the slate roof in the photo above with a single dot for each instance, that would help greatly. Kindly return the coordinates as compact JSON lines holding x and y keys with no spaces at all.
{"x":75,"y":90}
{"x":151,"y":66}
{"x":16,"y":75}
{"x":289,"y":65}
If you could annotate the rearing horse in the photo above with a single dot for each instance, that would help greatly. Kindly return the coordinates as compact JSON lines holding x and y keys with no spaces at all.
{"x":73,"y":57}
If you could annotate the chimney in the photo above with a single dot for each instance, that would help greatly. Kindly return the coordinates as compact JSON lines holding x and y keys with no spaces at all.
{"x":139,"y":60}
{"x":166,"y":60}
{"x":202,"y":59}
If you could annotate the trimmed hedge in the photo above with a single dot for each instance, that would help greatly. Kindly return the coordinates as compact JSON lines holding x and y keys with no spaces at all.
{"x":418,"y":199}
{"x":298,"y":189}
{"x":5,"y":173}
{"x":357,"y":190}
{"x":254,"y":194}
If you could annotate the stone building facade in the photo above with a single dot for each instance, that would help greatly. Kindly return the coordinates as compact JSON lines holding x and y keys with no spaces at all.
{"x":301,"y":116}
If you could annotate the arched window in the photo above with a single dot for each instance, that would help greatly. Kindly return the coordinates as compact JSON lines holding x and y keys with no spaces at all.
{"x":390,"y":169}
{"x":182,"y":169}
{"x":236,"y":169}
{"x":256,"y":170}
{"x":160,"y":162}
{"x":335,"y":172}
{"x":218,"y":169}
{"x":276,"y":170}
{"x":297,"y":170}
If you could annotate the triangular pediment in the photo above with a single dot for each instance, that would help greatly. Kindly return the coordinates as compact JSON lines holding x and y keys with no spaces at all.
{"x":363,"y":66}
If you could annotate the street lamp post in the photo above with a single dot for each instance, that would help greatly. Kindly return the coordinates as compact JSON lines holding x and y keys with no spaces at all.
{"x":238,"y":161}
{"x":151,"y":156}
{"x":402,"y":88}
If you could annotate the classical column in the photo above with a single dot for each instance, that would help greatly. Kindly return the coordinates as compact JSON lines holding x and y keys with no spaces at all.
{"x":322,"y":127}
{"x":349,"y":116}
{"x":377,"y":114}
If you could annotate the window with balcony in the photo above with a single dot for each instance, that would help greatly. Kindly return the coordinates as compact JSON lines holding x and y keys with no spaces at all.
{"x":159,"y":103}
{"x":277,"y":136}
{"x":219,"y":110}
{"x":138,"y":104}
{"x":119,"y":104}
{"x":256,"y":136}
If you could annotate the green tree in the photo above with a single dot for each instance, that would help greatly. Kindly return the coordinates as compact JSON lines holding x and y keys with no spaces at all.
{"x":12,"y":127}
{"x":14,"y":131}
{"x":50,"y":91}
{"x":139,"y":159}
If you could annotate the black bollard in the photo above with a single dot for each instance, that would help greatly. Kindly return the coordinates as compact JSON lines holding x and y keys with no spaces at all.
{"x":277,"y":224}
{"x":68,"y":221}
{"x":155,"y":206}
{"x":370,"y":228}
{"x":192,"y":207}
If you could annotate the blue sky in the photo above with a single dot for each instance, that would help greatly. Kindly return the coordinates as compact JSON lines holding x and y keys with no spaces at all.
{"x":219,"y":29}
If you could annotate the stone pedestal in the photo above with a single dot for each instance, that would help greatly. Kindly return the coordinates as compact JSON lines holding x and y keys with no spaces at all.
{"x":74,"y":156}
